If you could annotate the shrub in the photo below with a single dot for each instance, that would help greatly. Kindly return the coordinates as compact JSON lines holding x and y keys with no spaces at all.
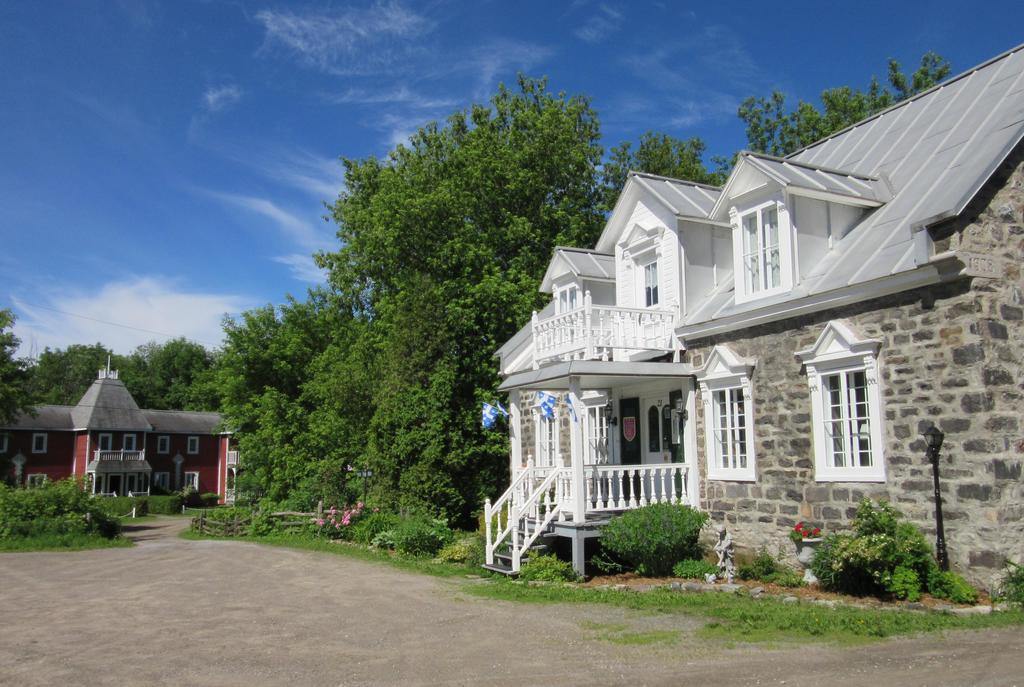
{"x":1012,"y":586}
{"x":786,"y":577}
{"x":419,"y":536}
{"x":865,"y":562}
{"x":164,"y":505}
{"x":263,"y":523}
{"x":653,"y":538}
{"x":905,"y":584}
{"x":385,"y":539}
{"x":369,"y":526}
{"x":546,"y":569}
{"x":760,"y":568}
{"x":950,"y":586}
{"x":119,"y":506}
{"x":339,"y":524}
{"x":209,"y":499}
{"x":54,"y":509}
{"x":468,"y":550}
{"x":693,"y":569}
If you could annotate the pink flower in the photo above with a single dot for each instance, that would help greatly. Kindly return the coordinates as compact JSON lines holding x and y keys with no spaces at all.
{"x":320,"y":522}
{"x":346,"y":519}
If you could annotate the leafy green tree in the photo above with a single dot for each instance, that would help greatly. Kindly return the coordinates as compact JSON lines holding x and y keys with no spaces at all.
{"x":61,"y":376}
{"x":444,"y":243}
{"x":174,"y":375}
{"x":658,"y":154}
{"x":15,"y":394}
{"x":773,"y":129}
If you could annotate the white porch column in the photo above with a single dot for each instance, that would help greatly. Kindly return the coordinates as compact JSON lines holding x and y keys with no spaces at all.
{"x":577,"y":443}
{"x":515,"y":435}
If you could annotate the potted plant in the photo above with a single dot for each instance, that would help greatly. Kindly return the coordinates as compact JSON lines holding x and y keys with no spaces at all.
{"x":806,"y":537}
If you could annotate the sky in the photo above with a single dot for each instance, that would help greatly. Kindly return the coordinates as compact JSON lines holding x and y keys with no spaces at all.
{"x":166,"y":163}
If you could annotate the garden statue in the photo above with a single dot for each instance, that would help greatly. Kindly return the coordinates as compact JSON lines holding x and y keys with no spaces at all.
{"x":726,"y":555}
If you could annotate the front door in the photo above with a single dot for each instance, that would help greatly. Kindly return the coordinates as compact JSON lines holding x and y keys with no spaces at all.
{"x":629,"y":427}
{"x":657,"y":434}
{"x":114,"y":485}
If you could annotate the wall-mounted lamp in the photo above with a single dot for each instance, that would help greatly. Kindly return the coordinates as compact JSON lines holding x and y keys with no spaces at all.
{"x":608,"y":410}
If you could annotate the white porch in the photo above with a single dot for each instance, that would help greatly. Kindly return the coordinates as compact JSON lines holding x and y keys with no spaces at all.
{"x":119,"y":473}
{"x":630,"y":445}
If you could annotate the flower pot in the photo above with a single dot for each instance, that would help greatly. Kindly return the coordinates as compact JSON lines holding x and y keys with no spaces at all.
{"x":805,"y":549}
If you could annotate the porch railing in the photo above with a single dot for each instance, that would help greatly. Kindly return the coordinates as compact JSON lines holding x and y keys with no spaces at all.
{"x":592,"y":332}
{"x":623,"y":487}
{"x":232,"y":458}
{"x":118,"y":455}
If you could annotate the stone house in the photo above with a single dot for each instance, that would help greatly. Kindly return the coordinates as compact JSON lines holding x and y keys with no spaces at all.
{"x":771,"y":351}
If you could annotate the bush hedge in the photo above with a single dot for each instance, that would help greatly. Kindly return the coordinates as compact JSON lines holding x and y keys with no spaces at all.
{"x":547,"y":569}
{"x":369,"y":526}
{"x":692,"y":569}
{"x":1012,"y":587}
{"x":420,"y":536}
{"x":654,"y":538}
{"x":164,"y":505}
{"x":56,"y":508}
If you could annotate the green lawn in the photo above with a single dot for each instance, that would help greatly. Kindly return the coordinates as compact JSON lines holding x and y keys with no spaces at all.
{"x":54,"y":542}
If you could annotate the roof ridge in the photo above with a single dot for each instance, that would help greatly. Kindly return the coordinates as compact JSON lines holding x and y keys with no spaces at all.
{"x":584,"y":250}
{"x":907,"y":101}
{"x":809,"y":165}
{"x":636,"y":173}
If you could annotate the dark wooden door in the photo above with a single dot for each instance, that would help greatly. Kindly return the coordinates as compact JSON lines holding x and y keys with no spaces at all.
{"x":629,"y":430}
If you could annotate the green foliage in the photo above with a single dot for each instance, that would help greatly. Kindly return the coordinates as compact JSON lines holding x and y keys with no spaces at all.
{"x":15,"y":395}
{"x":1012,"y":585}
{"x":421,"y":536}
{"x":659,"y":154}
{"x":119,"y":506}
{"x":263,"y":523}
{"x":774,"y":130}
{"x":905,"y":584}
{"x":164,"y":505}
{"x":209,"y":499}
{"x":56,"y":509}
{"x":766,"y":568}
{"x":385,"y":539}
{"x":367,"y":529}
{"x":865,"y":562}
{"x":468,"y":550}
{"x":653,"y":538}
{"x":694,"y":569}
{"x":62,"y":376}
{"x":547,"y":568}
{"x":948,"y":585}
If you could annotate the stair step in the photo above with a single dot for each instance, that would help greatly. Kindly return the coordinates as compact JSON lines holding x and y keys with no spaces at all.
{"x":498,"y":568}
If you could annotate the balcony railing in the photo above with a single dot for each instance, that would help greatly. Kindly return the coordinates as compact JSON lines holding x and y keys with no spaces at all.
{"x":232,"y":457}
{"x":601,"y":332}
{"x":103,"y":456}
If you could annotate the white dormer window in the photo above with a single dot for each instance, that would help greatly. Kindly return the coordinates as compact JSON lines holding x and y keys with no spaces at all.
{"x":762,"y":243}
{"x":728,"y":415}
{"x":761,"y":263}
{"x":566,"y":299}
{"x":846,"y":406}
{"x":651,"y":284}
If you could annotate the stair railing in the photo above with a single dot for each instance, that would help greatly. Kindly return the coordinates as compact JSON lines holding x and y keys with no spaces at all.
{"x":498,"y":518}
{"x":542,"y":506}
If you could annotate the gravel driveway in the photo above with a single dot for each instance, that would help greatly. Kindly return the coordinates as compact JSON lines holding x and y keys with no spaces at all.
{"x":176,"y":612}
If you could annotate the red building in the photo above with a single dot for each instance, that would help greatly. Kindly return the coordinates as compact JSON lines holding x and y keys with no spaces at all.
{"x":120,"y":448}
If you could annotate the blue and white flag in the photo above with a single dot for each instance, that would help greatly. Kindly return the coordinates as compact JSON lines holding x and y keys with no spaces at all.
{"x":490,"y":414}
{"x":572,"y":411}
{"x":546,"y":402}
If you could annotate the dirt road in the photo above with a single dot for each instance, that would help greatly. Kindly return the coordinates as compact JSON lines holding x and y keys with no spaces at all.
{"x":176,"y":612}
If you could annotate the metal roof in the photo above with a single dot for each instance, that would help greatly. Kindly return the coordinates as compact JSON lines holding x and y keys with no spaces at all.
{"x":44,"y":417}
{"x":107,"y":404}
{"x":594,"y":374}
{"x":793,"y":173}
{"x":935,"y":151}
{"x":683,"y":198}
{"x":588,"y":264}
{"x":182,"y":421}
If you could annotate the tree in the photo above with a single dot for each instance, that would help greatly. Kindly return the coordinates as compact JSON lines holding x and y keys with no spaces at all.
{"x":774,"y":130}
{"x":444,"y":244}
{"x":174,"y":375}
{"x":658,"y":154}
{"x":60,"y":377}
{"x":15,"y":396}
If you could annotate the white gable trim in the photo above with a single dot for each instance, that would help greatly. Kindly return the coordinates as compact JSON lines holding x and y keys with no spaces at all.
{"x":838,"y":342}
{"x":724,"y":371}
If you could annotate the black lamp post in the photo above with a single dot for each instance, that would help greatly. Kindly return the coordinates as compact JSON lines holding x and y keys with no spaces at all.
{"x":933,"y":438}
{"x":366,"y":475}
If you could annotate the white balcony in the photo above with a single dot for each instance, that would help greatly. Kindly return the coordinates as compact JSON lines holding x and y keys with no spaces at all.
{"x":107,"y":456}
{"x":232,"y":458}
{"x":601,"y":332}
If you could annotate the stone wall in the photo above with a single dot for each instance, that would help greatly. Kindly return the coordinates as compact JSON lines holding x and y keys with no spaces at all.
{"x":952,"y":355}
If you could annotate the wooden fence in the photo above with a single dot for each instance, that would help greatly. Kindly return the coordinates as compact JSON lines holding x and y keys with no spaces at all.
{"x":238,"y":526}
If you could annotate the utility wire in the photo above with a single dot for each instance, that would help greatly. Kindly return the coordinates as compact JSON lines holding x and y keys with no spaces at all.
{"x":116,"y":324}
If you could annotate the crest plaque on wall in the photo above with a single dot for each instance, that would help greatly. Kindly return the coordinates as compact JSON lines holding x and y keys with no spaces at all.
{"x":629,"y":428}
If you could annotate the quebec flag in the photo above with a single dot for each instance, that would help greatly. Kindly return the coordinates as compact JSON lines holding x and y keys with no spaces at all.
{"x":546,"y":402}
{"x":490,"y":414}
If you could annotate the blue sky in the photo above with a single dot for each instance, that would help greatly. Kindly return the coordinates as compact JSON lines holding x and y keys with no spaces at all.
{"x":164,"y":163}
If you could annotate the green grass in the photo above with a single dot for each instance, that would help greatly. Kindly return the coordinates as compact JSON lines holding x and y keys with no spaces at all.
{"x":740,"y":618}
{"x":425,"y":566}
{"x":617,"y":633}
{"x":59,"y":542}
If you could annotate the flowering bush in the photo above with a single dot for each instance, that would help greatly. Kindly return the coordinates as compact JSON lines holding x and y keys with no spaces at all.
{"x":1012,"y":588}
{"x":335,"y":524}
{"x":804,"y":530}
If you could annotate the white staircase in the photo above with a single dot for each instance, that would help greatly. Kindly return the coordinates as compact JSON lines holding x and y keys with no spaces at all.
{"x":519,"y":521}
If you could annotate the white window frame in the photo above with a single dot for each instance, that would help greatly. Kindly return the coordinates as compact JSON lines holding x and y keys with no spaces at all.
{"x":567,"y":298}
{"x":190,"y":477}
{"x":650,"y":291}
{"x":737,"y":217}
{"x":162,"y":480}
{"x":36,"y":479}
{"x":124,"y":442}
{"x":193,"y":445}
{"x":548,"y":439}
{"x":725,"y":372}
{"x":163,"y":444}
{"x":108,"y":439}
{"x":841,"y":350}
{"x":46,"y":441}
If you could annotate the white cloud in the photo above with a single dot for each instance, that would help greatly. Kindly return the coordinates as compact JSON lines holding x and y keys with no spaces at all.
{"x":218,"y":98}
{"x":501,"y":55}
{"x":399,"y":95}
{"x":348,"y":41}
{"x":123,"y":315}
{"x":603,"y":23}
{"x":303,"y":267}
